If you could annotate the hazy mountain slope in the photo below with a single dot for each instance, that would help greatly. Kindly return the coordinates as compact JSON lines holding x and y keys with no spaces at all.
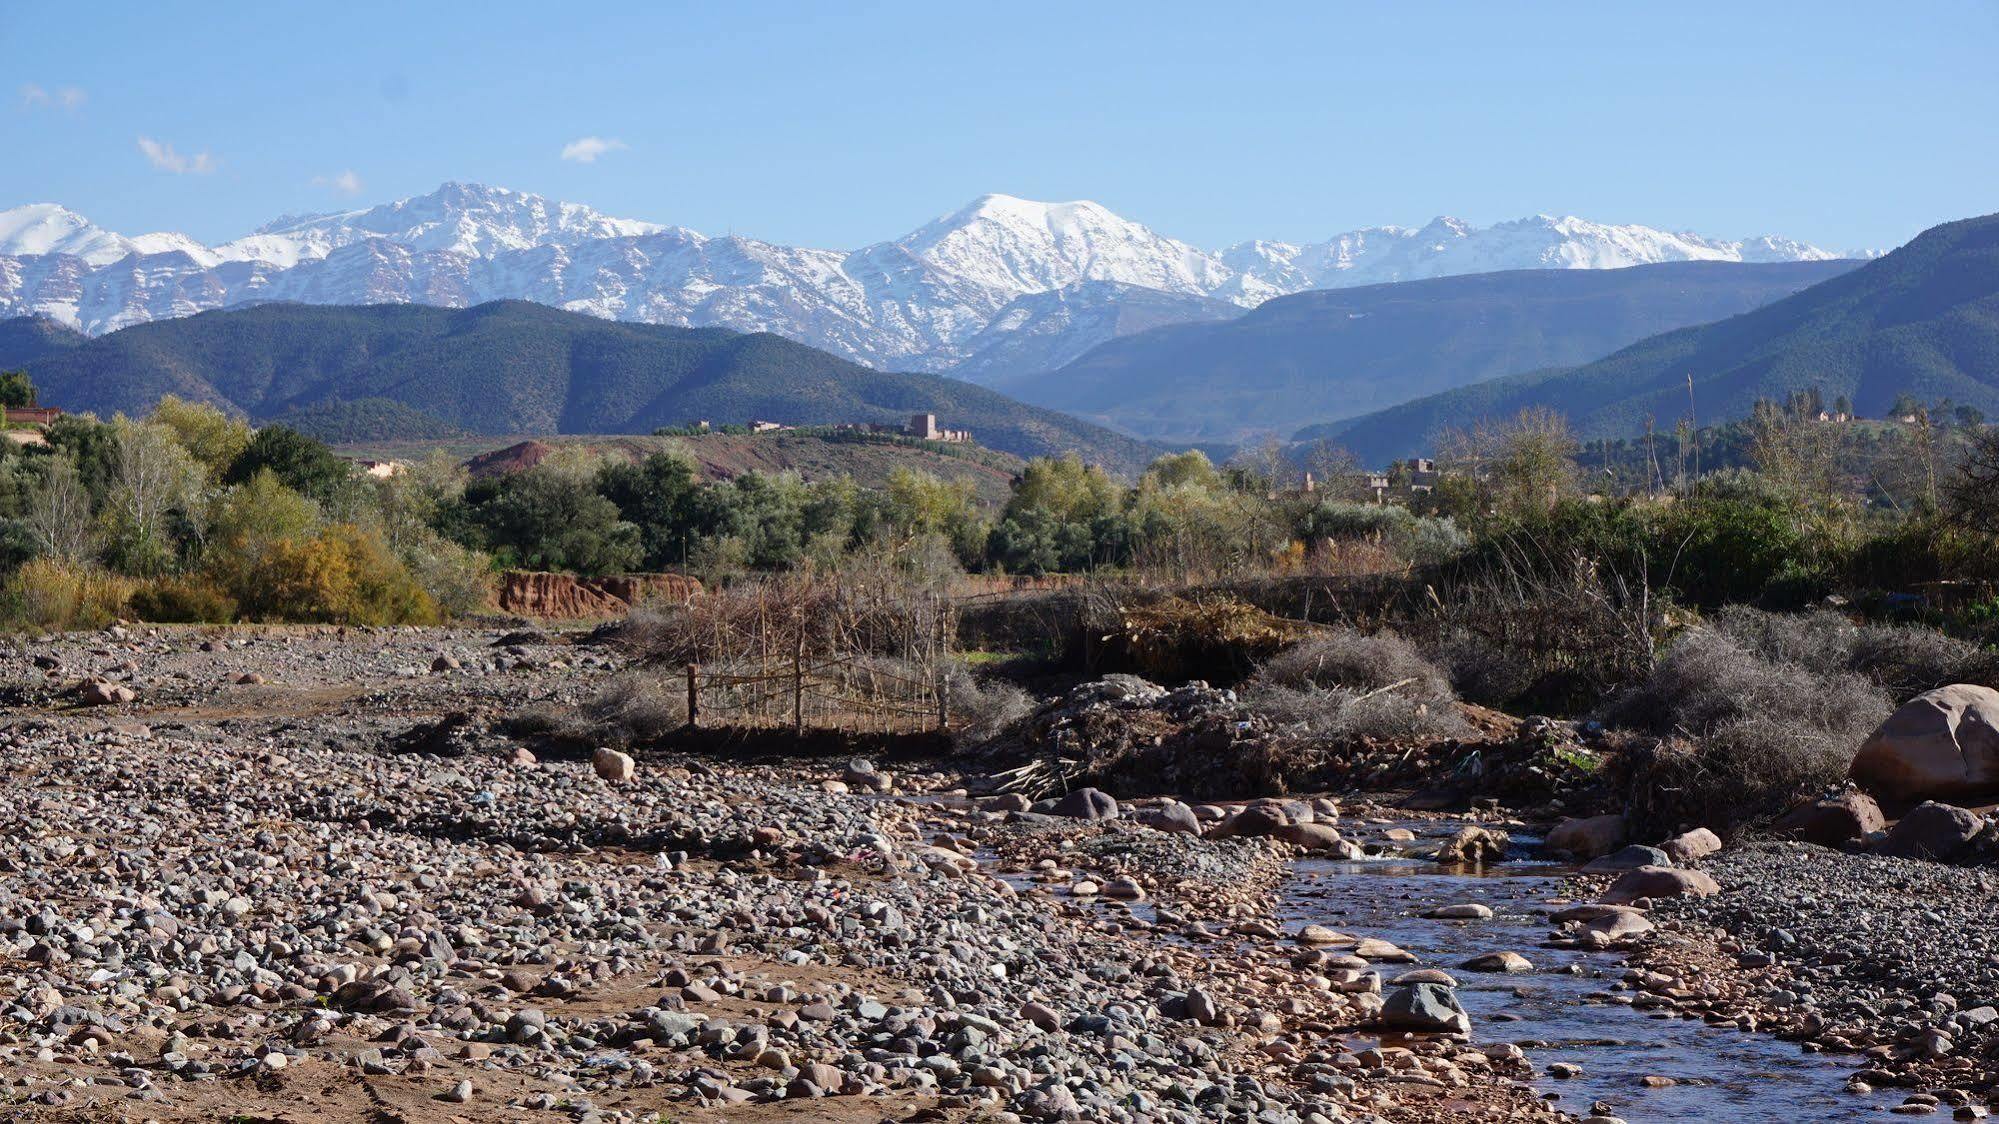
{"x":1342,"y":352}
{"x":941,"y":296}
{"x":1043,"y":331}
{"x":1923,"y":320}
{"x":516,"y":367}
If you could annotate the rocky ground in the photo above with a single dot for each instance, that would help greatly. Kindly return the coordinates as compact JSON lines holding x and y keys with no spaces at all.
{"x":305,"y":875}
{"x":1894,"y":959}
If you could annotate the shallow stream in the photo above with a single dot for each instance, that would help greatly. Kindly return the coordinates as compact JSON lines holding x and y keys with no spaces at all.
{"x":1721,"y":1074}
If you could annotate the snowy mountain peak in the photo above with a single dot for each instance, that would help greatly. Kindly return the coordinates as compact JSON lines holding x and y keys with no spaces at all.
{"x":1024,"y":246}
{"x":1002,"y":277}
{"x":50,"y":228}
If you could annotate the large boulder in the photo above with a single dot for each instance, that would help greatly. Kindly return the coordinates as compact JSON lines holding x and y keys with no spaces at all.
{"x":1317,"y":837}
{"x":1659,"y":882}
{"x":1941,"y":745}
{"x":1087,"y":804}
{"x":1586,"y":838}
{"x":1256,"y":820}
{"x":1845,"y":820}
{"x":1472,"y":846}
{"x":1425,"y":1008}
{"x":1933,"y":831}
{"x":1173,"y":816}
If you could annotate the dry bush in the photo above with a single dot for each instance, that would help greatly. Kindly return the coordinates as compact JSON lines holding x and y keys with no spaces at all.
{"x":61,"y":596}
{"x":1902,"y":659}
{"x":632,"y":707}
{"x":1758,"y":732}
{"x":1343,"y":683}
{"x":984,"y":709}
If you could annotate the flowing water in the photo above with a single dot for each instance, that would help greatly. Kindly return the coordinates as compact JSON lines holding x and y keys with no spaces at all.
{"x":1722,"y":1075}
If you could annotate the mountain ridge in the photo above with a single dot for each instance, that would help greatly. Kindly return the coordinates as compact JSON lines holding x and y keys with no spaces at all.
{"x":514,"y":367}
{"x":1921,"y":320}
{"x":924,"y":301}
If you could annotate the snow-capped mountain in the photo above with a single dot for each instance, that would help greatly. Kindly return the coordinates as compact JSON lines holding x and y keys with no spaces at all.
{"x":955,"y":293}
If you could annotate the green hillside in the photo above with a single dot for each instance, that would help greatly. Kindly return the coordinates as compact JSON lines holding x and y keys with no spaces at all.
{"x":1326,"y":355}
{"x":513,"y":367}
{"x":1923,"y":321}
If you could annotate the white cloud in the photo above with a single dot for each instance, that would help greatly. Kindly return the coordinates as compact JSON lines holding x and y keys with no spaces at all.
{"x":346,"y":183}
{"x":34,"y":96}
{"x":586,"y":150}
{"x":163,"y":157}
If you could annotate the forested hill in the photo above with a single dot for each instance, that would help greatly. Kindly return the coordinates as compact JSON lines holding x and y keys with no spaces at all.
{"x":1921,"y":321}
{"x":511,"y":367}
{"x":1323,"y":356}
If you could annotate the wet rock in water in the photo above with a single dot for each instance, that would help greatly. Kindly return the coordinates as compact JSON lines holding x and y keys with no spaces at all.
{"x":1842,"y":821}
{"x":1087,"y":804}
{"x":1627,"y":858}
{"x":1321,"y":935}
{"x":1318,"y":838}
{"x":1461,"y":911}
{"x":1933,"y":831}
{"x":1941,"y":745}
{"x":1474,"y":845}
{"x":1424,"y":1008}
{"x":612,"y":765}
{"x":1498,"y":962}
{"x":1376,"y":950}
{"x":1659,"y":882}
{"x":1586,"y":838}
{"x":1691,"y":845}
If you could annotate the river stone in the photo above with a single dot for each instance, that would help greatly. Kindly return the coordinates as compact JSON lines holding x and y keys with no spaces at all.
{"x":1941,"y":745}
{"x":1474,"y":845}
{"x":1691,"y":845}
{"x":1498,"y":962}
{"x":1844,"y":820}
{"x":1933,"y":831}
{"x":1462,"y":911}
{"x":1087,"y":804}
{"x":612,"y":765}
{"x":1424,"y":1008}
{"x":1173,"y":816}
{"x":1660,"y":882}
{"x":1586,"y":838}
{"x":1316,"y":837}
{"x":1251,"y":822}
{"x":1627,"y":858}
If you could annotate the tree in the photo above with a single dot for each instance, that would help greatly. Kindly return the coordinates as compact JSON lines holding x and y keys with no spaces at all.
{"x":303,"y":464}
{"x":154,"y":478}
{"x":657,"y":495}
{"x":1525,"y":464}
{"x":550,"y":519}
{"x":1973,"y":495}
{"x":1969,"y":417}
{"x":210,"y":436}
{"x":59,"y":513}
{"x":17,"y":390}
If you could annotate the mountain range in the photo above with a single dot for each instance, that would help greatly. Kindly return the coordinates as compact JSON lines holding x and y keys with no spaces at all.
{"x":1000,"y":287}
{"x":509,"y":367}
{"x":1922,"y":320}
{"x":1336,"y":353}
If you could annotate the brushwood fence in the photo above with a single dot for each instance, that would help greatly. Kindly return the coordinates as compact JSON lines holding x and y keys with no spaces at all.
{"x":814,"y":655}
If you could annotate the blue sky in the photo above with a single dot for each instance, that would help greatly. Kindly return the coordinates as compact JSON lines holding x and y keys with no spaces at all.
{"x":1846,"y":124}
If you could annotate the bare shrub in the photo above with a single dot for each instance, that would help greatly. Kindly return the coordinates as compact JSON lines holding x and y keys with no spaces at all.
{"x":633,"y":707}
{"x":1344,"y":683}
{"x":985,"y":709}
{"x":1757,"y":733}
{"x":1902,"y":659}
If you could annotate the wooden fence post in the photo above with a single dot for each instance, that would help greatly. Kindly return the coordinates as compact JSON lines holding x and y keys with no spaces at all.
{"x":693,"y":696}
{"x":798,"y":684}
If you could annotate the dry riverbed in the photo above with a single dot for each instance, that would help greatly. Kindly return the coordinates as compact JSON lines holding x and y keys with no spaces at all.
{"x":252,"y":892}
